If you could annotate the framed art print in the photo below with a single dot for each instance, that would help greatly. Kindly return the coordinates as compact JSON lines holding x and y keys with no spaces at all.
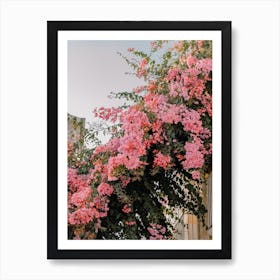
{"x":139,"y":140}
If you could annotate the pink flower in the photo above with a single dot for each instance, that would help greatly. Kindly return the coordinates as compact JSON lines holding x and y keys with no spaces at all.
{"x":191,"y":60}
{"x":130,"y":223}
{"x":151,"y":87}
{"x":125,"y":181}
{"x":156,"y":231}
{"x":205,"y":65}
{"x":134,"y":119}
{"x":191,"y":121}
{"x":107,"y":114}
{"x":162,"y":160}
{"x":142,"y":68}
{"x":172,"y":73}
{"x":155,"y":101}
{"x":126,"y":209}
{"x":132,"y":146}
{"x":194,"y":156}
{"x":139,"y":89}
{"x":143,"y":62}
{"x":196,"y":175}
{"x":105,"y":189}
{"x":81,"y":216}
{"x":80,"y":198}
{"x":179,"y":100}
{"x":152,"y":231}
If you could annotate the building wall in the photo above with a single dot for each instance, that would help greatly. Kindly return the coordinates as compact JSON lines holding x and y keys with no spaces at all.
{"x":189,"y":227}
{"x":75,"y":128}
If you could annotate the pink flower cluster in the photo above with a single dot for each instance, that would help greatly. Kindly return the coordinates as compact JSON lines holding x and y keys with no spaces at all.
{"x":154,"y":101}
{"x":81,"y":197}
{"x":82,"y":216}
{"x":82,"y":208}
{"x":126,"y":209}
{"x":101,"y":204}
{"x":194,"y":155}
{"x":196,"y":175}
{"x":139,"y":89}
{"x":191,"y":121}
{"x":107,"y":114}
{"x":76,"y":182}
{"x":105,"y":189}
{"x":191,"y":60}
{"x":162,"y":160}
{"x":180,"y":97}
{"x":155,"y":45}
{"x":131,"y":144}
{"x":125,"y":180}
{"x":173,"y":74}
{"x":112,"y":146}
{"x":190,"y":82}
{"x":133,"y":119}
{"x":142,"y":70}
{"x":156,"y":231}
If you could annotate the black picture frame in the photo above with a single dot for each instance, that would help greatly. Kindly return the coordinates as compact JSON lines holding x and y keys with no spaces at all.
{"x":53,"y":27}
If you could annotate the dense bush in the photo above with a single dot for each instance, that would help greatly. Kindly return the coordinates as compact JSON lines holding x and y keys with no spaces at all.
{"x":159,"y":153}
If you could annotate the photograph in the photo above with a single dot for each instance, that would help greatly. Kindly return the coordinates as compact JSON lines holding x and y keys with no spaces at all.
{"x":138,"y":128}
{"x":141,"y":133}
{"x":139,"y":139}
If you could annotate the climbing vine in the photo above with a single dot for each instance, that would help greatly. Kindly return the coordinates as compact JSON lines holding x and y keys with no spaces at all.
{"x":159,"y":153}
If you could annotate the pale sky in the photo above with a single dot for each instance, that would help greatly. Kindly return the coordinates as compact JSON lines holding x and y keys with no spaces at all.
{"x":94,"y":70}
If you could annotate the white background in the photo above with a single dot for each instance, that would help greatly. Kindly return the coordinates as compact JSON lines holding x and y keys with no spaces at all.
{"x":255,"y":138}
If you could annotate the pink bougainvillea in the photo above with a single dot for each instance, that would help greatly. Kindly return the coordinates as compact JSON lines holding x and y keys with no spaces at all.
{"x":196,"y":175}
{"x":105,"y":189}
{"x":126,"y":209}
{"x":156,"y":231}
{"x":167,"y":127}
{"x":162,"y":160}
{"x":194,"y":156}
{"x":130,"y":223}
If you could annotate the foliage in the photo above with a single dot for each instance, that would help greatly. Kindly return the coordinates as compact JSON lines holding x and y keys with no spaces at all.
{"x":159,"y":153}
